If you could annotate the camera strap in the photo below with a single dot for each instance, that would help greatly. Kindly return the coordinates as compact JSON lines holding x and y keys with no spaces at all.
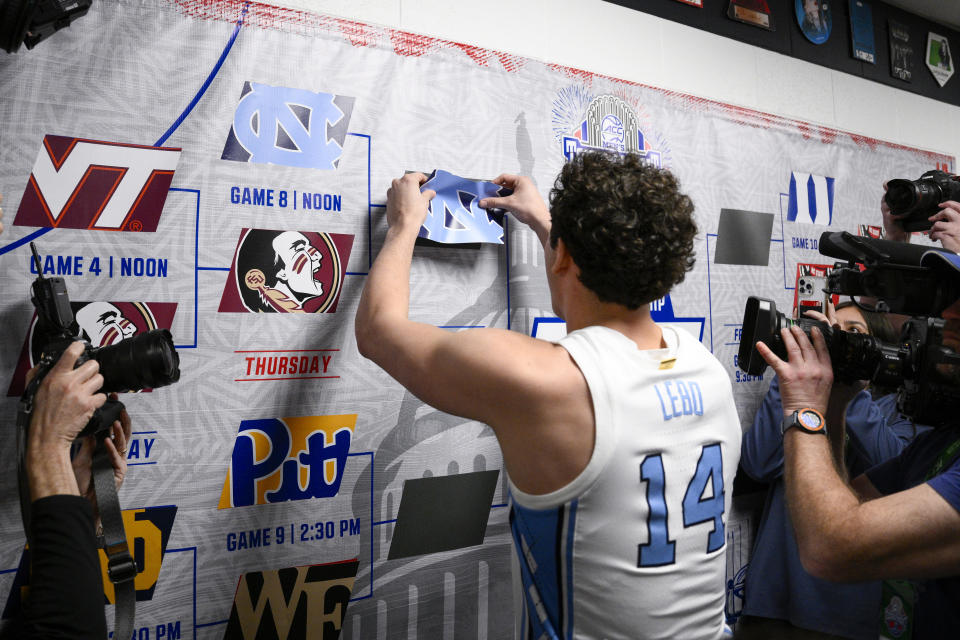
{"x":120,"y":565}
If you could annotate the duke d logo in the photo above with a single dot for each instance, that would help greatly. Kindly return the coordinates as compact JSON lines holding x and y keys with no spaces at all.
{"x":281,"y":459}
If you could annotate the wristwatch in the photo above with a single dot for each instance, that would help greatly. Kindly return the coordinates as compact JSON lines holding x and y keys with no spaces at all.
{"x":807,"y":420}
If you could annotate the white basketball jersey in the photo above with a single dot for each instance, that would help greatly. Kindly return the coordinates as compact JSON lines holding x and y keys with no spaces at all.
{"x":634,"y":547}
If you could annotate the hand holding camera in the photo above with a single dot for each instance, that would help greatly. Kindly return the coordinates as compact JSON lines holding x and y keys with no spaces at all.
{"x":65,"y":401}
{"x":909,"y":204}
{"x":946,"y":226}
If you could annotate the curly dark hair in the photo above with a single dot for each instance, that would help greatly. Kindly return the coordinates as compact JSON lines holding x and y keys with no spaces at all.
{"x":626,"y":225}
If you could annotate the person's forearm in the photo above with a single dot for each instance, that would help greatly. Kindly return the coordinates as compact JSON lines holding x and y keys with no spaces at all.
{"x":49,"y":471}
{"x":386,"y":294}
{"x":541,"y":226}
{"x":836,"y":417}
{"x":819,"y":501}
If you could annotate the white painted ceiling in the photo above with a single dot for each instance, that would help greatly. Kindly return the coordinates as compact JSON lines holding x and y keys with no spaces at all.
{"x":945,"y":12}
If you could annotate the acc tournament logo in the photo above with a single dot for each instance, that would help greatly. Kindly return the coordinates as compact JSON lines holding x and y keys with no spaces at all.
{"x":91,"y":184}
{"x":297,"y":602}
{"x":286,"y":272}
{"x":148,"y":532}
{"x":583,"y":122}
{"x":281,"y":459}
{"x":100,"y":323}
{"x":290,"y":127}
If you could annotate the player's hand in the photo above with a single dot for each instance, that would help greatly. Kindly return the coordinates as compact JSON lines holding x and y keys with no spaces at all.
{"x":946,"y":226}
{"x":406,"y":204}
{"x":525,"y":203}
{"x":807,"y":376}
{"x":892,"y":229}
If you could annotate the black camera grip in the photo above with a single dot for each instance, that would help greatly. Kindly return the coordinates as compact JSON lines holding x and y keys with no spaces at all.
{"x":103,"y":418}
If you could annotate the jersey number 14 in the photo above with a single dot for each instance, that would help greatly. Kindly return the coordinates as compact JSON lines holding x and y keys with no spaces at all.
{"x":660,"y":550}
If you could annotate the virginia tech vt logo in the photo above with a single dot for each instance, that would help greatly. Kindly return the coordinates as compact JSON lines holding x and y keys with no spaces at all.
{"x":290,"y":127}
{"x":90,"y":184}
{"x":281,"y":459}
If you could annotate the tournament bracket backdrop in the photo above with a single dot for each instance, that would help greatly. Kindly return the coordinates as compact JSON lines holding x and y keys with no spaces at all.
{"x":220,"y":168}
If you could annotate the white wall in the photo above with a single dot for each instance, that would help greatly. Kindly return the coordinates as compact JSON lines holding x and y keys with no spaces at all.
{"x":605,"y":38}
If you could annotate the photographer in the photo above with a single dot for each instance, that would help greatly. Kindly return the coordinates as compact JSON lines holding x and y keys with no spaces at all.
{"x":66,"y":593}
{"x":776,"y":583}
{"x":898,"y":520}
{"x":946,"y":224}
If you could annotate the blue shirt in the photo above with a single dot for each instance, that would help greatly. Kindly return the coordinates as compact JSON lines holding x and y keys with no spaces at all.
{"x":937,"y":614}
{"x":777,"y":586}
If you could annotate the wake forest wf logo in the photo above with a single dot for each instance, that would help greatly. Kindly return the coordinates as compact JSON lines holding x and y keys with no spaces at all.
{"x":99,"y":322}
{"x":91,"y":184}
{"x":286,"y":272}
{"x":295,"y":603}
{"x":290,"y":127}
{"x":276,"y":460}
{"x":582,"y":122}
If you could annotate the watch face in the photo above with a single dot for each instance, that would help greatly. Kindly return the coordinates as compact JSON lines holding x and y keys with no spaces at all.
{"x":810,"y":419}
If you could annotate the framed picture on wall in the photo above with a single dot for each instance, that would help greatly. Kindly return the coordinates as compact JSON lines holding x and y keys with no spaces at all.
{"x":901,"y":51}
{"x":815,"y":19}
{"x":755,"y":12}
{"x":861,"y":31}
{"x":938,"y":58}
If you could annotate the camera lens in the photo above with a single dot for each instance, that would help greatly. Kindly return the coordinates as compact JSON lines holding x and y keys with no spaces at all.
{"x":902,"y":196}
{"x":148,"y":360}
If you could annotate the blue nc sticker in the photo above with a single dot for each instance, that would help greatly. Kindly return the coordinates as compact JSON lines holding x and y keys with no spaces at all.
{"x":455,"y":216}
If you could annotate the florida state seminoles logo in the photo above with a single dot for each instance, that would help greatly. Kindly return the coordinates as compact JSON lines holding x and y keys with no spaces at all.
{"x":102,"y":323}
{"x":286,"y":272}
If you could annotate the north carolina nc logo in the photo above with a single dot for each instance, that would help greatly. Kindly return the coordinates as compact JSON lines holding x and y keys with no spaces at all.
{"x":454,"y":217}
{"x":290,"y":127}
{"x":91,"y":184}
{"x":286,"y":272}
{"x":282,"y":459}
{"x":583,"y":122}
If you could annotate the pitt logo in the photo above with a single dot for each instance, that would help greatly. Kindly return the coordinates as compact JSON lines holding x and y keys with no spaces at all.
{"x":276,"y":460}
{"x":290,"y":127}
{"x":90,"y":184}
{"x":583,"y":123}
{"x":296,"y":602}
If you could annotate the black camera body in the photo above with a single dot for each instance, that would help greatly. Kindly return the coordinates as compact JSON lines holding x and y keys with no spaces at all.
{"x":31,"y":21}
{"x":143,"y":361}
{"x":903,"y":279}
{"x":917,"y":200}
